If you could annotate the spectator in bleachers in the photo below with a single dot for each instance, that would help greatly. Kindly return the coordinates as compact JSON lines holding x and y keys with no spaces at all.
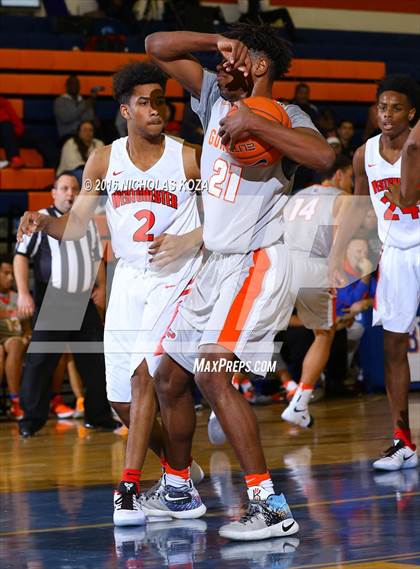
{"x":77,"y":149}
{"x":302,"y":100}
{"x":335,"y":144}
{"x":345,"y":132}
{"x":11,"y":128}
{"x":70,"y":109}
{"x":370,"y":229}
{"x":326,"y":123}
{"x":257,"y":11}
{"x":65,"y":276}
{"x":14,"y":336}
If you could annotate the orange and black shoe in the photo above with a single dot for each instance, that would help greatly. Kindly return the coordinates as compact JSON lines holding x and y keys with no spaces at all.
{"x":60,"y":409}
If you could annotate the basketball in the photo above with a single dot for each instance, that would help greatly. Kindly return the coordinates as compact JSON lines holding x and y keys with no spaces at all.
{"x":253,"y":152}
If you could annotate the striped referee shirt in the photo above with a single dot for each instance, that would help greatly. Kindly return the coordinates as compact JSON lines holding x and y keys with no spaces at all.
{"x":70,"y":265}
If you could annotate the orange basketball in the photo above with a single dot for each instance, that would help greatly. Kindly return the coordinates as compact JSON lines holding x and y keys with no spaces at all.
{"x":254,"y":152}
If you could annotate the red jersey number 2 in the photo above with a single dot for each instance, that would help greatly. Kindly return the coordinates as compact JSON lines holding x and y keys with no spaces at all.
{"x":148,"y":219}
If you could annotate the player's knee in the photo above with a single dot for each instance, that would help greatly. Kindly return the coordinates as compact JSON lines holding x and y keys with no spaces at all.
{"x":170,"y":384}
{"x":211,"y":385}
{"x":395,"y":346}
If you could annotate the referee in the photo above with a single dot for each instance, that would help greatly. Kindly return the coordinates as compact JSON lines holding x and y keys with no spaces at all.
{"x":64,"y":310}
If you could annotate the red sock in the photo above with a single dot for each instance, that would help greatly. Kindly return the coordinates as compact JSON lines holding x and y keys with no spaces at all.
{"x":131,"y":475}
{"x":304,"y":386}
{"x":256,"y":479}
{"x":404,"y":435}
{"x":184,"y":473}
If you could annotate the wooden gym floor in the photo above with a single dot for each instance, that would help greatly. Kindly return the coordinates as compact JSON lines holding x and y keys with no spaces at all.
{"x":56,"y":498}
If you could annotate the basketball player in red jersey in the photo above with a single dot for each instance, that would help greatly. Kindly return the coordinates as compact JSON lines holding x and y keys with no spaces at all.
{"x":142,"y":178}
{"x":242,"y":296}
{"x":377,"y":166}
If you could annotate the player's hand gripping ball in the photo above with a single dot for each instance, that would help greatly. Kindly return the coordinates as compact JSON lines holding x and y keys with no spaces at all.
{"x":254,"y":152}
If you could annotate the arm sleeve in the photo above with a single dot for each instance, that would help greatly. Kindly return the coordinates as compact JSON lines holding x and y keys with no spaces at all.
{"x":209,"y":94}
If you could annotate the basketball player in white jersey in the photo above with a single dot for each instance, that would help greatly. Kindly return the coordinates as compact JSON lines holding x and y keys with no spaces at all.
{"x":310,"y":219}
{"x":156,"y":235}
{"x":242,"y":296}
{"x":377,"y":166}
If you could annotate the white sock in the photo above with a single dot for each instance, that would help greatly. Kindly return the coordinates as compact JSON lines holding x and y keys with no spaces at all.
{"x":261,"y":491}
{"x":175,"y":480}
{"x":301,"y":398}
{"x":291,"y":385}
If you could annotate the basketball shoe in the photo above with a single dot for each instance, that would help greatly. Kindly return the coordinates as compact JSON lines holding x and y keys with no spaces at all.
{"x":79,"y":411}
{"x":396,"y":457}
{"x":60,"y":409}
{"x":264,"y":519}
{"x":297,"y":412}
{"x":179,"y":503}
{"x":15,"y":410}
{"x":127,"y":508}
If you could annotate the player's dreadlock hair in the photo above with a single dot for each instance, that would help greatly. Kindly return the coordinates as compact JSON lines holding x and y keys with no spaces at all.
{"x":132,"y":74}
{"x":264,"y":39}
{"x":401,"y":84}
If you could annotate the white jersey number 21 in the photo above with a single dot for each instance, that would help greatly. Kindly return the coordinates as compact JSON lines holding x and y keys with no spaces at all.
{"x":225,"y":180}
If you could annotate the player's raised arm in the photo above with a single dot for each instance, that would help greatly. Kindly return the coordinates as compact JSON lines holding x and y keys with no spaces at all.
{"x":410,"y":169}
{"x":171,"y":51}
{"x":73,"y":225}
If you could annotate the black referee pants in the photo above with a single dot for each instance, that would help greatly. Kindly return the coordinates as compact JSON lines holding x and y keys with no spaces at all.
{"x":39,"y":367}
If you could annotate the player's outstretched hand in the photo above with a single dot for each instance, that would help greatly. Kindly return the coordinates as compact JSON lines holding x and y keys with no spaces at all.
{"x":235,"y":126}
{"x":236,"y":55}
{"x":30,"y":222}
{"x":168,"y":248}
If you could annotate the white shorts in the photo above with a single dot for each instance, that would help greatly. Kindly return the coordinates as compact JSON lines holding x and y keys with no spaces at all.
{"x":315,"y":301}
{"x":239,"y":302}
{"x":140,"y":308}
{"x":398,"y":291}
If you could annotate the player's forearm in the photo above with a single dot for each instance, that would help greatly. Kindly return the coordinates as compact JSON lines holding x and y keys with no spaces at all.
{"x":302,"y":147}
{"x":195,"y":238}
{"x":68,"y":227}
{"x":348,"y":222}
{"x":168,"y":46}
{"x":21,"y":272}
{"x":410,"y":169}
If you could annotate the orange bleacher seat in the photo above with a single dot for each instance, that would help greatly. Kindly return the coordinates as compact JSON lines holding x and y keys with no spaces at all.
{"x":71,"y":61}
{"x":54,"y":85}
{"x":68,"y":61}
{"x":26,"y":179}
{"x":39,"y":200}
{"x":32,"y":84}
{"x":30,"y":156}
{"x":351,"y":92}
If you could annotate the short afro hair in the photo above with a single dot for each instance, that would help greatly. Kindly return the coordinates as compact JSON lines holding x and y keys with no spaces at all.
{"x":265,"y":39}
{"x":135,"y":73}
{"x":401,"y":84}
